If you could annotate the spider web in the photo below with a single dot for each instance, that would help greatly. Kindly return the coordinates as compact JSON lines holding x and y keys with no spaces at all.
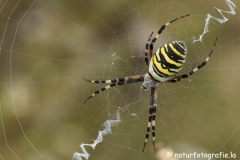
{"x":48,"y":46}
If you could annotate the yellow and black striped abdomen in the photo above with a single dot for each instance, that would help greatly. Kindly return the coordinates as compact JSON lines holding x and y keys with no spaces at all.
{"x":167,"y":61}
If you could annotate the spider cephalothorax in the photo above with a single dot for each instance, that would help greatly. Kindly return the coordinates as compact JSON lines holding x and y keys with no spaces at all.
{"x":164,"y":66}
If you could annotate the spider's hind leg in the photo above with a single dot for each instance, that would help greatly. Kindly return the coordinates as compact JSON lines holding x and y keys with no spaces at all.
{"x":160,"y":31}
{"x":194,"y":69}
{"x":147,"y":56}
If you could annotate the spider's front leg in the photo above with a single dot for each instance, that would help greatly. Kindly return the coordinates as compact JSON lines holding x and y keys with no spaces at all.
{"x":152,"y":116}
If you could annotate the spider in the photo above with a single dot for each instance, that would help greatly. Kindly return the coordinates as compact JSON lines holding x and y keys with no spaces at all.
{"x":164,"y":65}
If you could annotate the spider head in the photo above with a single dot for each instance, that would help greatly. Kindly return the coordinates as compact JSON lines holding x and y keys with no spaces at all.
{"x":145,"y":88}
{"x":148,"y":82}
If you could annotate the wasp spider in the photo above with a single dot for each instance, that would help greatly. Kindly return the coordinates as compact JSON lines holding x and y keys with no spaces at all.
{"x":164,"y":64}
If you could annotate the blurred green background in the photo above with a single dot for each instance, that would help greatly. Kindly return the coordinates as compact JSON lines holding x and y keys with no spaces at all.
{"x":48,"y":46}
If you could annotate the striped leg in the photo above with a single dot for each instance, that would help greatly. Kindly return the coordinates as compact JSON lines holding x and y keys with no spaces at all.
{"x":183,"y":76}
{"x":149,"y":125}
{"x":154,"y":94}
{"x":152,"y":116}
{"x":160,"y":31}
{"x":147,"y":50}
{"x":115,"y":82}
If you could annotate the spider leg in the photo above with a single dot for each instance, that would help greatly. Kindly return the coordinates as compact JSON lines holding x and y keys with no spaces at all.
{"x":183,"y":76}
{"x":148,"y":126}
{"x":160,"y":31}
{"x":107,"y":81}
{"x":154,"y":94}
{"x":152,"y":116}
{"x":147,"y":50}
{"x":114,"y":82}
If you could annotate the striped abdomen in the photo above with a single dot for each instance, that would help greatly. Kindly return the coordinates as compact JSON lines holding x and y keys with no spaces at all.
{"x":167,"y":61}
